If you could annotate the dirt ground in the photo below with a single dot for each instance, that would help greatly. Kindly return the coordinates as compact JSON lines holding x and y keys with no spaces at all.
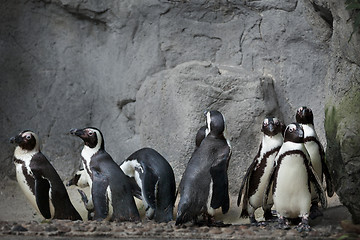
{"x":18,"y":218}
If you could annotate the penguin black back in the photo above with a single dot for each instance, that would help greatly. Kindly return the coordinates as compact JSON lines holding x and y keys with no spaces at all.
{"x":111,"y":191}
{"x":156,"y":180}
{"x":204,"y":185}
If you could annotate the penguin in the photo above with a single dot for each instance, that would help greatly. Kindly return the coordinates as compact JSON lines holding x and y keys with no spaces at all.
{"x":39,"y":181}
{"x":155,"y":177}
{"x":111,"y":192}
{"x":305,"y":118}
{"x":204,"y":184}
{"x":290,"y":181}
{"x":257,"y":175}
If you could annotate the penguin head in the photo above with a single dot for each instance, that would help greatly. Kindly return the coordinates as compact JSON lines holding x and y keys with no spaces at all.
{"x":26,"y":140}
{"x":304,"y":115}
{"x":91,"y":136}
{"x":272,"y":126}
{"x":215,"y":122}
{"x":294,"y":133}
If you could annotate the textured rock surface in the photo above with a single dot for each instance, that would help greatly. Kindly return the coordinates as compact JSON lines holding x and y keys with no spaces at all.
{"x":343,"y":111}
{"x":143,"y":72}
{"x":77,"y":63}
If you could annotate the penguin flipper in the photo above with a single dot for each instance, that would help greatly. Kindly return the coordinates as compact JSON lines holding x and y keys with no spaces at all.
{"x":329,"y":184}
{"x":268,"y":185}
{"x":98,"y":191}
{"x":149,"y":183}
{"x":245,"y":182}
{"x":136,"y":191}
{"x":317,"y":185}
{"x":42,"y":187}
{"x":218,"y":171}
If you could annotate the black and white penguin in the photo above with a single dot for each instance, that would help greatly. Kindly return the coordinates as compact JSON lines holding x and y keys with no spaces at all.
{"x":291,"y":178}
{"x":305,"y":117}
{"x":156,"y":179}
{"x":257,"y":175}
{"x":204,"y":185}
{"x":111,"y":192}
{"x":39,"y":180}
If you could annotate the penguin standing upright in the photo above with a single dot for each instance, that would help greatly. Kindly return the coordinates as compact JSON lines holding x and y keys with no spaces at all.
{"x":291,"y":178}
{"x":304,"y":116}
{"x":204,"y":185}
{"x":111,"y":191}
{"x":257,"y":175}
{"x":156,"y":179}
{"x":39,"y":180}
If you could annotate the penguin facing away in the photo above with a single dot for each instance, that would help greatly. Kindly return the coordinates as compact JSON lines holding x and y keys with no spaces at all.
{"x":204,"y":184}
{"x":111,"y":192}
{"x":257,"y":175}
{"x":156,"y":179}
{"x":39,"y":180}
{"x":304,"y":116}
{"x":290,"y":180}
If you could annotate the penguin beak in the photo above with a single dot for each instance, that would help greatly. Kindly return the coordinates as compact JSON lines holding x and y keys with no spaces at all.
{"x":271,"y":127}
{"x":12,"y":140}
{"x":76,"y":132}
{"x":16,"y":140}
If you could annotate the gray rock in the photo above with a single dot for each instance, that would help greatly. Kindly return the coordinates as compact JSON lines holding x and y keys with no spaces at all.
{"x":342,"y":110}
{"x":171,"y":103}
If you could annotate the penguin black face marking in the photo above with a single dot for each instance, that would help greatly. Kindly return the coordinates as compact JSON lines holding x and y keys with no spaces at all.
{"x":91,"y":136}
{"x":25,"y":140}
{"x":272,"y":126}
{"x":304,"y":115}
{"x":294,"y":133}
{"x":215,"y":122}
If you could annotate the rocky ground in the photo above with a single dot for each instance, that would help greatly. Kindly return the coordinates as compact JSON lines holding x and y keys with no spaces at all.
{"x":19,"y":221}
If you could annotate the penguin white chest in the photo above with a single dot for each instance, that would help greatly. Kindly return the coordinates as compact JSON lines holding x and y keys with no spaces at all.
{"x":292,"y":197}
{"x":24,"y":185}
{"x":314,"y":153}
{"x":87,"y":154}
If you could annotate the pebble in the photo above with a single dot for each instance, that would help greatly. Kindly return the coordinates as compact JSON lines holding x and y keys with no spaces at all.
{"x":149,"y":229}
{"x":18,"y":228}
{"x":215,"y":231}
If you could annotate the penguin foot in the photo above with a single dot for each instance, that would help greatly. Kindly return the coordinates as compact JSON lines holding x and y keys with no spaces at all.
{"x":283,"y":224}
{"x":315,"y":211}
{"x":255,"y":223}
{"x":270,"y":216}
{"x":303,"y":227}
{"x":304,"y":224}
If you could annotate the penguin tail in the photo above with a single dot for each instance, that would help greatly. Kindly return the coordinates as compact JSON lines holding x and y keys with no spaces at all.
{"x":244,"y":213}
{"x":164,"y":216}
{"x":181,"y":218}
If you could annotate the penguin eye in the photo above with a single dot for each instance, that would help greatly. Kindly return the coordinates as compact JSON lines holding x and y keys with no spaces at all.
{"x":91,"y":133}
{"x":28,"y":137}
{"x":291,"y":130}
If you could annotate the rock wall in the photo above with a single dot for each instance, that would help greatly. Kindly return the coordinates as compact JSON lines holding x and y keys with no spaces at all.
{"x":144,"y":72}
{"x":342,"y":109}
